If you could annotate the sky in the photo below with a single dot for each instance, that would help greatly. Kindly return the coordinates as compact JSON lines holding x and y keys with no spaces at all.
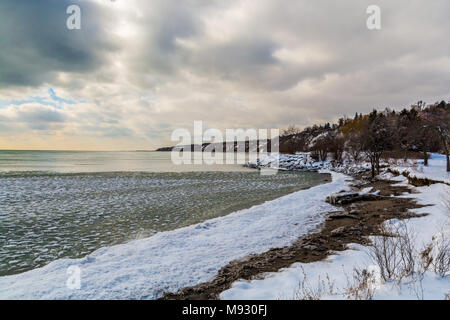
{"x":139,"y":69}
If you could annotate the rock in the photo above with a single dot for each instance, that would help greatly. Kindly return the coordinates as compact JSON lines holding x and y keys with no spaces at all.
{"x":337,"y":197}
{"x":351,"y":197}
{"x":310,"y":247}
{"x":285,"y":250}
{"x":337,"y":216}
{"x":338,"y":231}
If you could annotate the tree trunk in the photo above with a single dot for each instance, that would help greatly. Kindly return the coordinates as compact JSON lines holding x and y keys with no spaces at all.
{"x":425,"y":158}
{"x":444,"y":143}
{"x":378,"y":165}
{"x":448,"y":162}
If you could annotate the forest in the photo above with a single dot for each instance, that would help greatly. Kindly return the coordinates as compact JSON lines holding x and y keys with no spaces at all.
{"x":413,"y":132}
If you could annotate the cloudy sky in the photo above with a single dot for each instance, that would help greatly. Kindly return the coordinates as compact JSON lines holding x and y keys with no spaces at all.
{"x":138,"y":69}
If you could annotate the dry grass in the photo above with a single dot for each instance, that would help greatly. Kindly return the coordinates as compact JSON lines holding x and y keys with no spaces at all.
{"x":362,"y":286}
{"x":306,"y":291}
{"x":426,"y":256}
{"x":393,"y":252}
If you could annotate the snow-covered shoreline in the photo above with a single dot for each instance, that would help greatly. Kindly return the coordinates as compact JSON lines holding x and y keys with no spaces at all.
{"x":339,"y":268}
{"x":169,"y":261}
{"x":303,"y":161}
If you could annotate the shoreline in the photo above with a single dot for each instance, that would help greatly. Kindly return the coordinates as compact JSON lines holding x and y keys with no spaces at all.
{"x":145,"y":269}
{"x":204,"y":260}
{"x":123,"y":208}
{"x":360,"y":222}
{"x":353,"y":223}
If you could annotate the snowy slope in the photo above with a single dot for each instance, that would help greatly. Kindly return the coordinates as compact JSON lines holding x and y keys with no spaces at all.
{"x":285,"y":284}
{"x":168,"y":261}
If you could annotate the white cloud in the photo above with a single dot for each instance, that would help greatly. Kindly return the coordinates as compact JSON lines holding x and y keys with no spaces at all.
{"x":143,"y":68}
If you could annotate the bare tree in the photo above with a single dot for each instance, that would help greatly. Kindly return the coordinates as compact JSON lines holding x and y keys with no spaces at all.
{"x":322,"y":146}
{"x":438,"y":119}
{"x":377,"y":139}
{"x":290,"y":131}
{"x":406,"y":130}
{"x":337,"y":144}
{"x":423,"y":133}
{"x":354,"y":146}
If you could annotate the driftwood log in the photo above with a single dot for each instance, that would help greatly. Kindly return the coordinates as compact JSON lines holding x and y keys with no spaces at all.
{"x":351,"y":197}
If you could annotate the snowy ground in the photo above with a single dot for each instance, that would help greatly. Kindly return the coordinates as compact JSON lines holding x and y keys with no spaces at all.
{"x":169,"y":261}
{"x":339,"y":268}
{"x":435,"y":170}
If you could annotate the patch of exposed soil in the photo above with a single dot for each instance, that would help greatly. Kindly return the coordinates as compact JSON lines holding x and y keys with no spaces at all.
{"x":353,"y":223}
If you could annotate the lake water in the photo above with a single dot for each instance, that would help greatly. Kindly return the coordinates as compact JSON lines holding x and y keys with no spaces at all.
{"x":68,"y":204}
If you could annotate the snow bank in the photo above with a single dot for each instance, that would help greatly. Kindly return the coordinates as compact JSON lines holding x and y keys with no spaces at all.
{"x":169,"y":261}
{"x":285,"y":284}
{"x":436,"y":169}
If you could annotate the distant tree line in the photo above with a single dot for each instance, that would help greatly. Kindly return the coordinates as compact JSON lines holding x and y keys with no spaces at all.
{"x":420,"y":128}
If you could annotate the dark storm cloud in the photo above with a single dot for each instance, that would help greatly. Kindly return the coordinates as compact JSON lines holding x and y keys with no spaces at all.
{"x":35,"y":41}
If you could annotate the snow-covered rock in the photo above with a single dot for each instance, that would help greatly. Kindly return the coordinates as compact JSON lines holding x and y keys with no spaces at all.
{"x":303,"y":161}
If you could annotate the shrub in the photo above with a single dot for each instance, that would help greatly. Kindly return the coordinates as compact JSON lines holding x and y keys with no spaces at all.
{"x":441,"y":259}
{"x":393,"y":252}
